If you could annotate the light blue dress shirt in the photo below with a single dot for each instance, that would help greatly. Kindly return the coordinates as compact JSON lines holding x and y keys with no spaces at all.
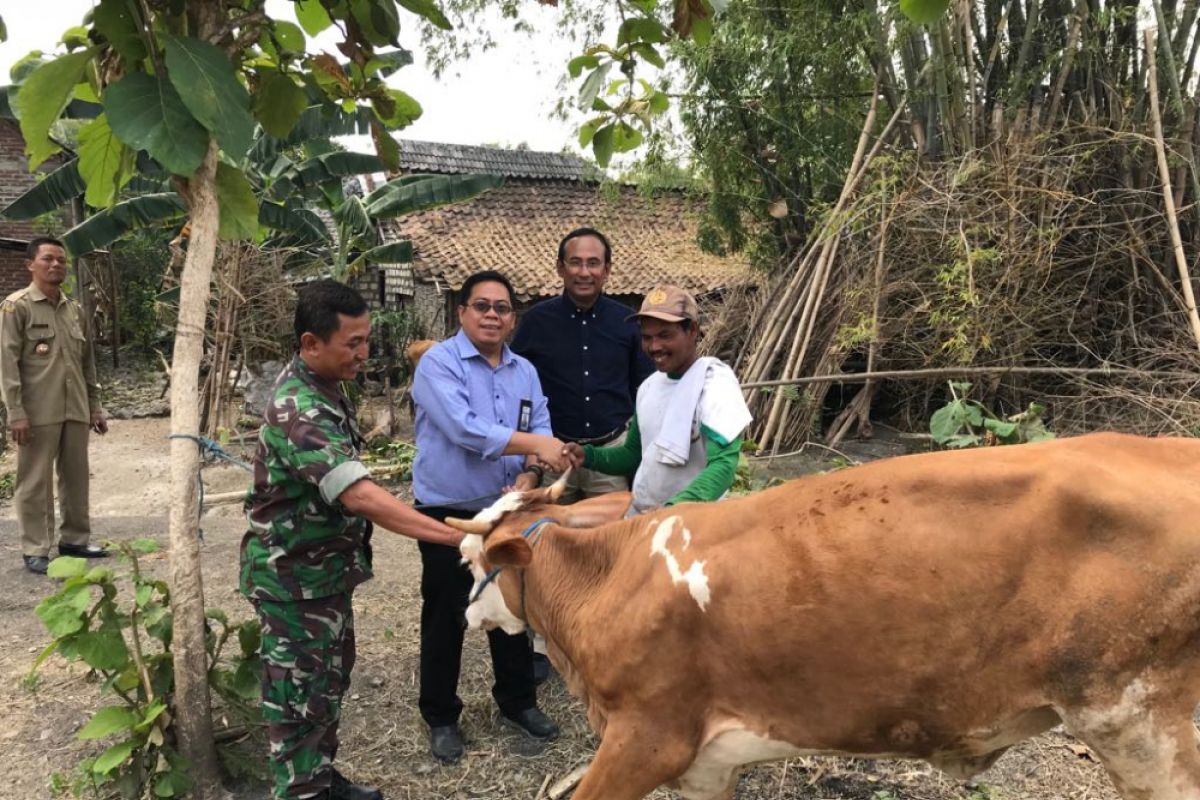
{"x":467,"y":410}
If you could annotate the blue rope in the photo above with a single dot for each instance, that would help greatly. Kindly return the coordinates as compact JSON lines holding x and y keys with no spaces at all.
{"x":210,"y":452}
{"x":491,"y":576}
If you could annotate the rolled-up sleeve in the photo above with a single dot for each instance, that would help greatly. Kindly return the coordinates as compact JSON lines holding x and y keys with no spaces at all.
{"x":443,"y":395}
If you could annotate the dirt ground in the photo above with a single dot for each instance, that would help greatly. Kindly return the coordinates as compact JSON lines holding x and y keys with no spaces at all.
{"x":383,"y":740}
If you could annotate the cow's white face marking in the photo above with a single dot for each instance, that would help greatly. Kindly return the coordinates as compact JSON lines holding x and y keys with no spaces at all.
{"x":507,"y":502}
{"x":696,"y":580}
{"x":489,"y":610}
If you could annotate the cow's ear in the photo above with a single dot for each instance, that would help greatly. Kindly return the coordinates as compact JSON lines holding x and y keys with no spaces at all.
{"x":507,"y":551}
{"x":598,"y":510}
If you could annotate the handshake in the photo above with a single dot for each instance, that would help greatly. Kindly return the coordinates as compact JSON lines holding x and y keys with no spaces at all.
{"x":554,"y":454}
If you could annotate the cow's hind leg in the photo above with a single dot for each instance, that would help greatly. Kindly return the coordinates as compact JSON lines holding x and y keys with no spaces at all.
{"x":1150,"y":750}
{"x":633,"y":760}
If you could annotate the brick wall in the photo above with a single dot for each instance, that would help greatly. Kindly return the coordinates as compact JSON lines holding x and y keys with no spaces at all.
{"x":15,"y":180}
{"x":13,"y":272}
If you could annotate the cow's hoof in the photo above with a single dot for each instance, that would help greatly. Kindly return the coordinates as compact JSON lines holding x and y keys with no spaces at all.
{"x":446,"y":743}
{"x":533,"y":723}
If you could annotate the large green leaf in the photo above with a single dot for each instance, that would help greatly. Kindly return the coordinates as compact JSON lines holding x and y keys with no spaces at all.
{"x":391,"y":253}
{"x":105,"y":163}
{"x":602,"y":145}
{"x":100,"y":230}
{"x":397,"y":109}
{"x":43,"y":97}
{"x":3,"y":31}
{"x":113,"y":757}
{"x":352,"y":217}
{"x":147,"y":114}
{"x":116,"y":23}
{"x":377,"y":20}
{"x":429,"y":10}
{"x":924,"y":11}
{"x":103,"y":650}
{"x":312,"y":16}
{"x":337,"y":165}
{"x":67,"y":567}
{"x":59,"y":188}
{"x":303,"y":223}
{"x":279,"y":104}
{"x":206,"y":81}
{"x":426,"y":191}
{"x":107,"y":721}
{"x":238,"y":206}
{"x":593,"y":84}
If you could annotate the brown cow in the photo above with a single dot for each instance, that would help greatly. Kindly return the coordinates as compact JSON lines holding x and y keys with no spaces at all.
{"x":941,"y":606}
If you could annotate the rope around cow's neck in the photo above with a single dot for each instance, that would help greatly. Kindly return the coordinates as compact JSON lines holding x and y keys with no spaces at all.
{"x":528,"y":533}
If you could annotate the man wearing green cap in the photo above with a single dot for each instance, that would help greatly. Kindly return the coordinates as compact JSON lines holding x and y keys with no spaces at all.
{"x":686,"y":432}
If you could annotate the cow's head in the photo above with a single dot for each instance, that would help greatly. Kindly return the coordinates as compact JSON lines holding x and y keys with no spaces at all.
{"x":501,"y":537}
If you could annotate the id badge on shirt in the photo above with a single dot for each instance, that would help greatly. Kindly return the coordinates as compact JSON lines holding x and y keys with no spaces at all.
{"x":525,"y":417}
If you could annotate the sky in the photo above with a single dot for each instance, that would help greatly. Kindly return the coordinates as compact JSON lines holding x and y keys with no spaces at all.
{"x":505,"y":96}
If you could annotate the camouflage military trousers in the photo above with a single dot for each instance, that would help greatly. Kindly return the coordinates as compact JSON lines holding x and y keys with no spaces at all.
{"x":308,"y":653}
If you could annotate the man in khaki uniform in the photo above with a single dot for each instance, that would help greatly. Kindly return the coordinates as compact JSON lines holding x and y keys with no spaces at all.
{"x":48,"y":383}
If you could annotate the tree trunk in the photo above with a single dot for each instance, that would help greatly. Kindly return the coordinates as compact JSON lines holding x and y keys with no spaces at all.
{"x":192,"y":706}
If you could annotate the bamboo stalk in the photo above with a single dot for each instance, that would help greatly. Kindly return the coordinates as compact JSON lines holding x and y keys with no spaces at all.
{"x":1164,"y":174}
{"x":951,"y":372}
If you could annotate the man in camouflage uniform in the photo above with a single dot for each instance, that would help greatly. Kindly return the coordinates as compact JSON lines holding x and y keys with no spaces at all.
{"x":48,"y":381}
{"x":311,"y":513}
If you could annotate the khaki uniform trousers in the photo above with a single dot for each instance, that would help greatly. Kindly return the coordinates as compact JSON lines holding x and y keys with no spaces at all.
{"x":67,"y":444}
{"x":587,"y":483}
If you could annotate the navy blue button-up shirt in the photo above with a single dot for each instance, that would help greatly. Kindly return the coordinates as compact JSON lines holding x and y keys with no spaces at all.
{"x":590,"y":363}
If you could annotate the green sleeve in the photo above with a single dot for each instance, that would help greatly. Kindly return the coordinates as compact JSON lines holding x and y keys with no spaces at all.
{"x":717,"y":476}
{"x":622,"y":459}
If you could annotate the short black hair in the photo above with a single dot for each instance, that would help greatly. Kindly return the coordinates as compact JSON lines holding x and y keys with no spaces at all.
{"x":318,"y":305}
{"x":486,"y":276}
{"x":578,"y":232}
{"x":35,"y":244}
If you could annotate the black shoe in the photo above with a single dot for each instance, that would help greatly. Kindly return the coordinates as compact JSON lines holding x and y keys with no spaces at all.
{"x":533,"y":723}
{"x":541,"y":669}
{"x":38,"y":564}
{"x":81,"y":550}
{"x":343,"y":789}
{"x":446,"y":744}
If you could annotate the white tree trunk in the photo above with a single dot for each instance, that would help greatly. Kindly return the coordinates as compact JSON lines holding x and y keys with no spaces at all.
{"x":192,"y":705}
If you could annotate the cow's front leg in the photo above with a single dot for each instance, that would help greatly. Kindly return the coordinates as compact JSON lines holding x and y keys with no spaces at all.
{"x":635,"y":757}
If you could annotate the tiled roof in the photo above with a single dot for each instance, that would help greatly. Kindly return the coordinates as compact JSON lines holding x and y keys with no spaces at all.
{"x":516,"y":229}
{"x":458,"y":159}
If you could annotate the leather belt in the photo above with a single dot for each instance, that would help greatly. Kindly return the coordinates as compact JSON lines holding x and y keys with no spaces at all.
{"x":596,"y":441}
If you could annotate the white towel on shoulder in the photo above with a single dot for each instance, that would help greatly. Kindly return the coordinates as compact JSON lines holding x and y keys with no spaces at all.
{"x":674,"y":440}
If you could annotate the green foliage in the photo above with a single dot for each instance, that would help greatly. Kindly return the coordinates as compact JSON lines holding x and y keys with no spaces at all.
{"x":8,"y":484}
{"x":126,"y":642}
{"x":208,"y":86}
{"x":41,"y":99}
{"x":772,"y":111}
{"x":924,"y":11}
{"x":964,"y":422}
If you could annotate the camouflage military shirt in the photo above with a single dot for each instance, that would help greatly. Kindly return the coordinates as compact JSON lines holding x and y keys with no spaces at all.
{"x":302,"y":544}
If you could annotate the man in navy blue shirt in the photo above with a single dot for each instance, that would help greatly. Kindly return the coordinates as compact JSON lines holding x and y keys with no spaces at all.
{"x":588,"y":357}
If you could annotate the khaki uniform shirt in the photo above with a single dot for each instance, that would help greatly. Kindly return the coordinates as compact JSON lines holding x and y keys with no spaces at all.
{"x":47,"y":371}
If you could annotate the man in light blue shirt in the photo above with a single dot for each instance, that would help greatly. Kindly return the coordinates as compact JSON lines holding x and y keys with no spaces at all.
{"x":482,"y":426}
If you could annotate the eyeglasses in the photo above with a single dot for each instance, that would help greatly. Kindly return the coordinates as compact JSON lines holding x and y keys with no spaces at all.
{"x":482,"y":307}
{"x":592,"y":264}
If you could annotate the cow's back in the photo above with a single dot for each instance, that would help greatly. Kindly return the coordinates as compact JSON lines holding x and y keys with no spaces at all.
{"x":890,"y":607}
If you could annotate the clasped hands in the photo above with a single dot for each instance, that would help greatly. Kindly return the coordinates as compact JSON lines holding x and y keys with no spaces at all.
{"x":552,"y":455}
